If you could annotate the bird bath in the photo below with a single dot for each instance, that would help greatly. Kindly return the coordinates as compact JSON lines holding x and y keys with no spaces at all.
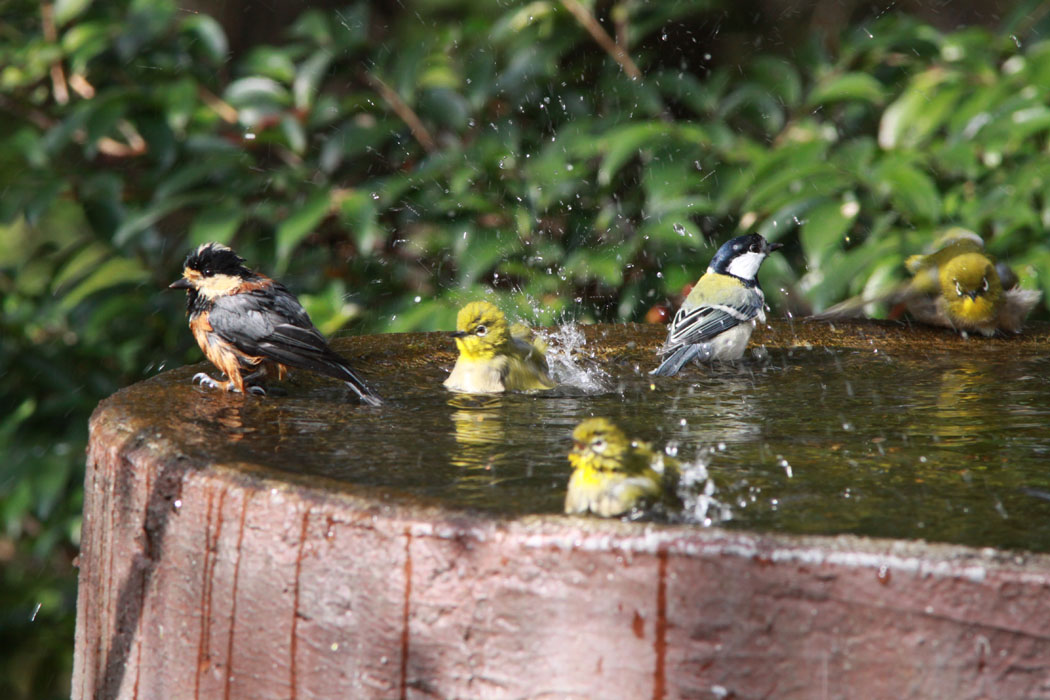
{"x":302,"y":545}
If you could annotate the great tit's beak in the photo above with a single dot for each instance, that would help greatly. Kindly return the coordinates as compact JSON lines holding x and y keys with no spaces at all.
{"x":775,"y":246}
{"x":459,"y":334}
{"x":180,"y":283}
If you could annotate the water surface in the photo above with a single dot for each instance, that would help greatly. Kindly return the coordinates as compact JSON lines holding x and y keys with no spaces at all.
{"x":946,"y":440}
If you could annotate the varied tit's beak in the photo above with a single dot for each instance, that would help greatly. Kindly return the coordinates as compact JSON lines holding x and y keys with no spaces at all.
{"x":774,"y":246}
{"x":181,"y":283}
{"x":459,"y":334}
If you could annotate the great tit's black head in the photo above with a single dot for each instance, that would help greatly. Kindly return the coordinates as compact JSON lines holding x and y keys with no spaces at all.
{"x":212,"y":259}
{"x":742,"y":256}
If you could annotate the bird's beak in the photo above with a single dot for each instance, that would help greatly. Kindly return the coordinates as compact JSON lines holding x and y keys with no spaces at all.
{"x":458,"y":334}
{"x":180,"y":283}
{"x":775,"y":246}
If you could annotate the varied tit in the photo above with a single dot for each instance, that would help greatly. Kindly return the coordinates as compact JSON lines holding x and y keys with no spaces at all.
{"x":717,"y":318}
{"x":959,"y":286}
{"x":251,"y":327}
{"x":495,"y":357}
{"x":613,"y":475}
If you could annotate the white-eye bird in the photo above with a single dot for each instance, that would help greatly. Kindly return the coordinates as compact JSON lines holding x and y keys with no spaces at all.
{"x":612,"y":474}
{"x":719,"y":314}
{"x":494,"y":356}
{"x":958,"y":286}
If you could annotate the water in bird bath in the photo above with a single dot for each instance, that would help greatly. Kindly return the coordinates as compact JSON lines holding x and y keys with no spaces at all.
{"x":876,"y":429}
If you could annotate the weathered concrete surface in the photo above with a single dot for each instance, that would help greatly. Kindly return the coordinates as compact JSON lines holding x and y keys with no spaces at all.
{"x":218,"y":580}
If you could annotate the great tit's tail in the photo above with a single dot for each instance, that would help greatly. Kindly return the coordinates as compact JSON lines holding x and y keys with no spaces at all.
{"x":679,"y":358}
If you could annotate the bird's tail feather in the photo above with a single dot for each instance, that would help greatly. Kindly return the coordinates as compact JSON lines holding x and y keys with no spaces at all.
{"x":360,"y":388}
{"x":678,"y":359}
{"x":338,"y":369}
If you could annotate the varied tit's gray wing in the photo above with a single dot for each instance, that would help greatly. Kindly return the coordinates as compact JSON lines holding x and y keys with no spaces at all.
{"x":702,"y":323}
{"x":270,"y":322}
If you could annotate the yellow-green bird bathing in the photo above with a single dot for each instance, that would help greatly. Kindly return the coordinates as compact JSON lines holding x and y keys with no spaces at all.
{"x":958,"y":286}
{"x":613,"y":475}
{"x":495,"y":357}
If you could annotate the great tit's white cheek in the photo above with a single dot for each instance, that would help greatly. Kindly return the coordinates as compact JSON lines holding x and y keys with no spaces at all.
{"x":746,"y":266}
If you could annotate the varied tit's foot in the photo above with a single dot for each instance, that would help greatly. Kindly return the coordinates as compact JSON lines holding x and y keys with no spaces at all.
{"x":207,"y":381}
{"x":257,"y":390}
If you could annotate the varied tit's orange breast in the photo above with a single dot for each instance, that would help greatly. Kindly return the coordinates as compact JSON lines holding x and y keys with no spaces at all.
{"x":225,"y":356}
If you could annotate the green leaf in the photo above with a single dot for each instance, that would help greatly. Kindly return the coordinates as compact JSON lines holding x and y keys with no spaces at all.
{"x":66,"y":10}
{"x":358,"y":212}
{"x":308,"y":78}
{"x":256,"y":90}
{"x":299,"y":224}
{"x":604,"y":264}
{"x":825,"y":228}
{"x":925,"y":106}
{"x":217,"y":223}
{"x":84,"y":260}
{"x":210,"y":34}
{"x":846,"y":87}
{"x":145,"y":218}
{"x":113,"y":272}
{"x":912,"y":191}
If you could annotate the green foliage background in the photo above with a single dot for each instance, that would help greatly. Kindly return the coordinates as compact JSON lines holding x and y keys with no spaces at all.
{"x":390,"y":164}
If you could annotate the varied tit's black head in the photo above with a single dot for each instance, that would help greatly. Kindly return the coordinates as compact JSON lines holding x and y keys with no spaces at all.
{"x":211,"y":271}
{"x":216,"y":259}
{"x":742,"y":256}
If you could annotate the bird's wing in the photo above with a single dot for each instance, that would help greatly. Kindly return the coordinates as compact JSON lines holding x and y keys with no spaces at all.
{"x":700,"y":324}
{"x":271,"y":323}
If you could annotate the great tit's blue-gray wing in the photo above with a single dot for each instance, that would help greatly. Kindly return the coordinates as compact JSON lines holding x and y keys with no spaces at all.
{"x":713,"y":307}
{"x":699,"y":324}
{"x":270,"y":322}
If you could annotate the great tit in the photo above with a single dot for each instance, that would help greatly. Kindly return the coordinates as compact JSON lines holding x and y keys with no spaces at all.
{"x":717,"y":318}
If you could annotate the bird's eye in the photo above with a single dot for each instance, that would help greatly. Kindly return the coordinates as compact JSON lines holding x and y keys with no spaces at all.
{"x":756,"y":247}
{"x":481,"y":330}
{"x":206,"y":272}
{"x":598,"y":445}
{"x":984,"y":286}
{"x":958,"y":288}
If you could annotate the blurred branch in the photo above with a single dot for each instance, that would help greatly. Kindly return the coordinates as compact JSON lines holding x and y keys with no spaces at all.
{"x":225,"y":111}
{"x":58,"y":78}
{"x":594,"y":28}
{"x":402,"y":110}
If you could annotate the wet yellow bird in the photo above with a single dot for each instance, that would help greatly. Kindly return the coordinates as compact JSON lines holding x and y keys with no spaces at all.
{"x":958,"y":286}
{"x":495,"y":357}
{"x":613,"y":474}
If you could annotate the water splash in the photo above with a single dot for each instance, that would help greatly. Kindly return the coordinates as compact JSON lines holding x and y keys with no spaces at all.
{"x":571,"y":362}
{"x":697,"y":490}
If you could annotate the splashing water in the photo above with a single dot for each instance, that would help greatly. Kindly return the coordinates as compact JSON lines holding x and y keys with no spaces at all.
{"x":697,"y":490}
{"x":571,"y":363}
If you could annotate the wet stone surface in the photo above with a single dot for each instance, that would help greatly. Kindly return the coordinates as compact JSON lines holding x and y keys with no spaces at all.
{"x":864,"y":427}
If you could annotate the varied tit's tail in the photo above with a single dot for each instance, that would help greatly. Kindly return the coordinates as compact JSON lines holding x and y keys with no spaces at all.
{"x":680,"y":357}
{"x":336,"y":368}
{"x":360,"y":388}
